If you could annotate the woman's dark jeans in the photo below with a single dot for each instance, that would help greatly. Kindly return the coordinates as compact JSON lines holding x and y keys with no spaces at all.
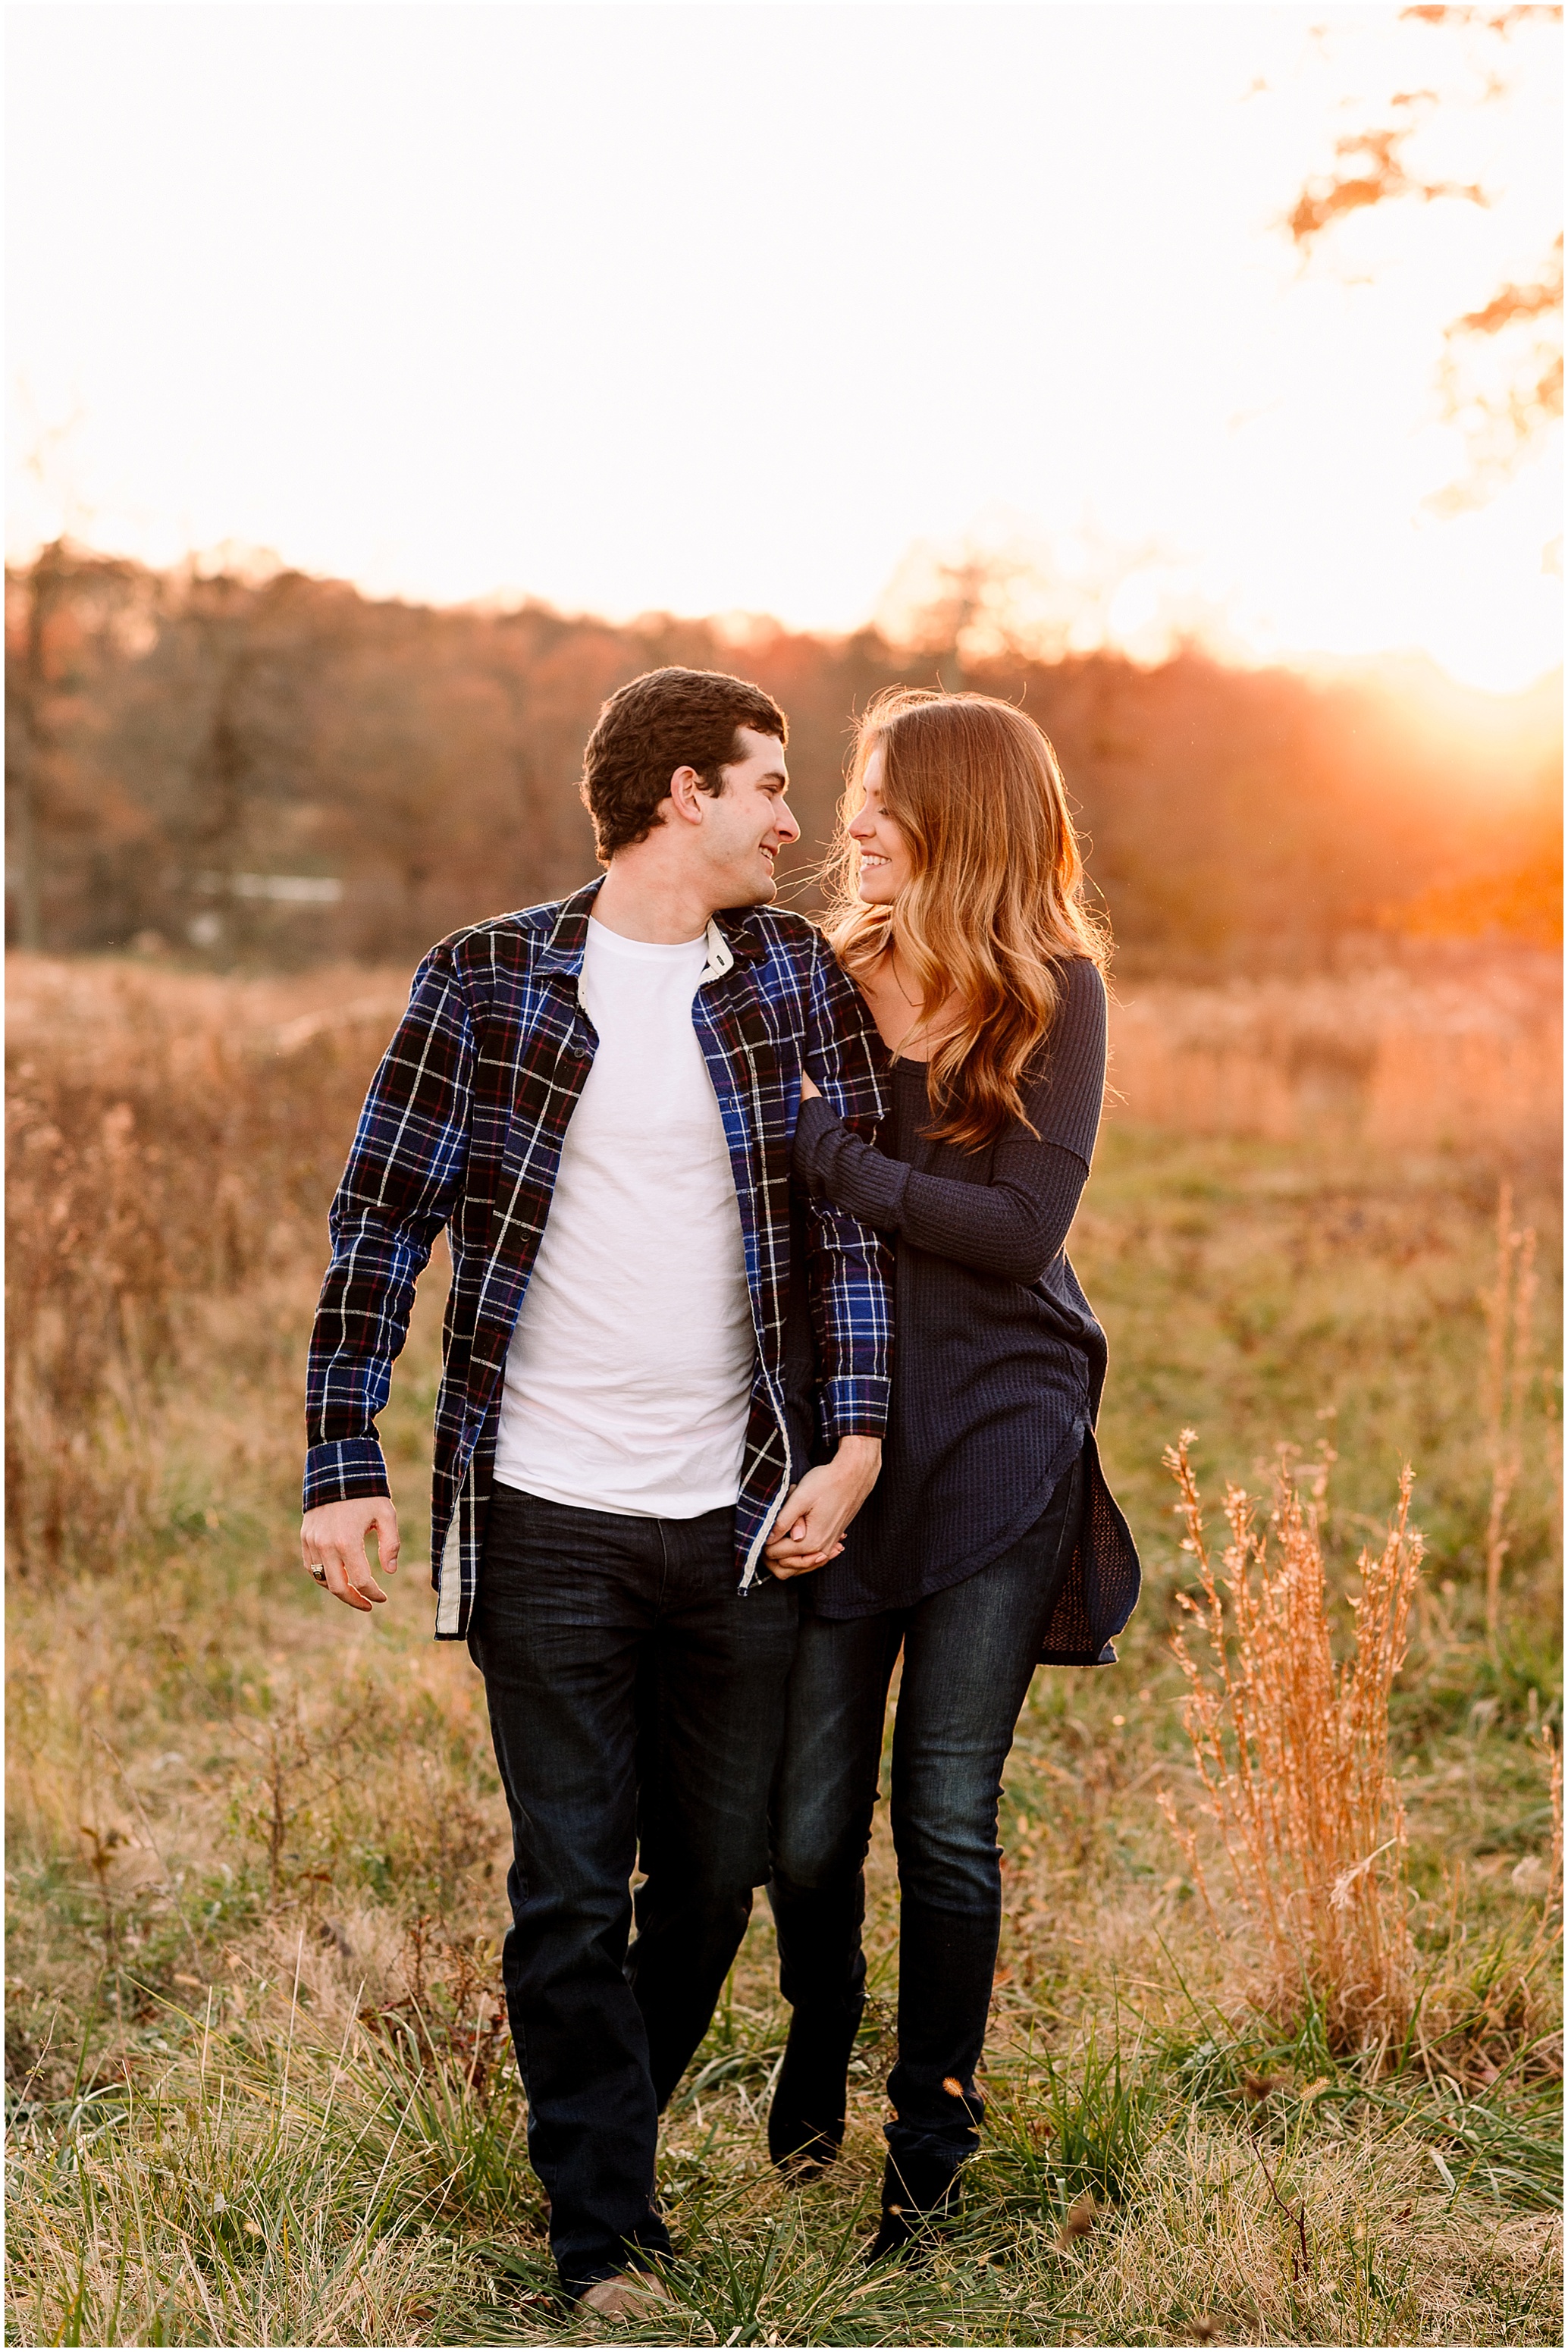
{"x":636,"y":1702}
{"x":969,"y":1654}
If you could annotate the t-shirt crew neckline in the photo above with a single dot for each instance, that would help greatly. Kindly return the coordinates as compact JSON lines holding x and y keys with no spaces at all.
{"x":601,"y":937}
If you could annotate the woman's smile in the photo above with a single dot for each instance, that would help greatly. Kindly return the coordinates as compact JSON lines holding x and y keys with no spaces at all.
{"x":885,"y":866}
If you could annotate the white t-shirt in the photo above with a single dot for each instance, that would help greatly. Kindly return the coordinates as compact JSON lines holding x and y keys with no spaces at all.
{"x":628,"y":1381}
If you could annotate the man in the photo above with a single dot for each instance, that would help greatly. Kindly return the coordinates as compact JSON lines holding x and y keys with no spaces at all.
{"x":597,"y":1099}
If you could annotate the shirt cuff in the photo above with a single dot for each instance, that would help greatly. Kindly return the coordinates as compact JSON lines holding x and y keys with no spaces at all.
{"x":854,"y":1405}
{"x":344,"y":1471}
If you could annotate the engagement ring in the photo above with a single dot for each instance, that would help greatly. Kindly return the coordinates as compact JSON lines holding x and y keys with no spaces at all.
{"x":318,"y":1571}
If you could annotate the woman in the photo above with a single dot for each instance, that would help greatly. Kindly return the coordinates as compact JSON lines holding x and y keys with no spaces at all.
{"x":991,"y":1542}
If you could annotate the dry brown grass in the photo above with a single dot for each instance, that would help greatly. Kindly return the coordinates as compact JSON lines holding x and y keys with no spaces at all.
{"x":257,"y":1854}
{"x":1293,"y":1753}
{"x":1414,"y":1063}
{"x":171,"y":1141}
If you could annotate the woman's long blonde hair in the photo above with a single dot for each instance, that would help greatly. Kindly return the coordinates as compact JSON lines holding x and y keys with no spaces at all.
{"x":997,"y":900}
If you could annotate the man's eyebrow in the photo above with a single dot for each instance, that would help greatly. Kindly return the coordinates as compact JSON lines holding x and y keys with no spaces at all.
{"x":776,"y":776}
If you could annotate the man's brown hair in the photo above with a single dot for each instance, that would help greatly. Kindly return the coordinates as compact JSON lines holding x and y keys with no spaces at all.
{"x":665,"y":719}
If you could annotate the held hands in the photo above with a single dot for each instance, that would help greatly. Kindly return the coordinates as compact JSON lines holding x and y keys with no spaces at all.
{"x":809,"y":1529}
{"x":333,"y":1546}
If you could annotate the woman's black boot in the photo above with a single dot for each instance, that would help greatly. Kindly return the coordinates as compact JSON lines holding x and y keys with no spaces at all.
{"x":919,"y":2194}
{"x":806,"y":2122}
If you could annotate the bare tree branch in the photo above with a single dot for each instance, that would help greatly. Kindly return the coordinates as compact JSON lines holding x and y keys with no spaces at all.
{"x":1501,"y":376}
{"x":1371,"y":170}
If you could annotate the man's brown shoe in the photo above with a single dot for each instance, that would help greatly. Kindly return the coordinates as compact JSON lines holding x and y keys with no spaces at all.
{"x":628,"y":2295}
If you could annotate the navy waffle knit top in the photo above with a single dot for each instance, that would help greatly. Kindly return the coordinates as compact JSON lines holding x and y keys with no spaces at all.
{"x":999,"y":1362}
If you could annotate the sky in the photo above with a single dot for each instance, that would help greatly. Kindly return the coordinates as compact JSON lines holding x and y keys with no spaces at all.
{"x":767,"y":309}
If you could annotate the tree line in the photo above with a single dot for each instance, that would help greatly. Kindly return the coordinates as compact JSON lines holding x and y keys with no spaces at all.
{"x":252,"y":768}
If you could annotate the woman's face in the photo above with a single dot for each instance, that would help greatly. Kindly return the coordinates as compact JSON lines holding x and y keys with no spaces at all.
{"x":886,"y":867}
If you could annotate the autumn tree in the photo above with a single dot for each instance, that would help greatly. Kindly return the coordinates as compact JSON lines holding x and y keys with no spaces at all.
{"x":1500,"y":377}
{"x":193,"y":732}
{"x":72,"y":621}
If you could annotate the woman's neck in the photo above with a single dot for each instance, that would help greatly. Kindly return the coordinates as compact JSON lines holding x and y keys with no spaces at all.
{"x":900,"y":1013}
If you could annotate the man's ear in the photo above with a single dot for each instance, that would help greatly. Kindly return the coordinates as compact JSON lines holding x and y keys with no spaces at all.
{"x":687,"y":795}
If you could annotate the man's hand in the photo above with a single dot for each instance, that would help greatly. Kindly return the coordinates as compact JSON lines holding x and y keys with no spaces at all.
{"x":333,"y":1536}
{"x":808,"y":1093}
{"x":809,"y":1529}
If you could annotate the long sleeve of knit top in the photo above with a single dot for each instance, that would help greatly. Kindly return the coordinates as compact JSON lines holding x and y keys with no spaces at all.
{"x":1010,"y":1212}
{"x":1014,"y":1225}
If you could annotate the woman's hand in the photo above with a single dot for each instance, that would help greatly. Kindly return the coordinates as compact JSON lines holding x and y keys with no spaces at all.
{"x":809,"y":1530}
{"x":808,"y":1093}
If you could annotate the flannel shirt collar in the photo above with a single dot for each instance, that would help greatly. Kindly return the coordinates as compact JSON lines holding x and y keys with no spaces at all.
{"x":730,"y":937}
{"x":568,"y":941}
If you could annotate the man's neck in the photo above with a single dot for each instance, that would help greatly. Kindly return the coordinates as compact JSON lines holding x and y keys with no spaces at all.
{"x":640,"y":900}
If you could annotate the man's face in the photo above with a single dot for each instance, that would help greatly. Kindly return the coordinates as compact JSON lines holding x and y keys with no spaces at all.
{"x":749,"y":823}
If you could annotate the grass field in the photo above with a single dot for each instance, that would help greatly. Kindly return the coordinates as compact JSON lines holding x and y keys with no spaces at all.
{"x":258,"y":2089}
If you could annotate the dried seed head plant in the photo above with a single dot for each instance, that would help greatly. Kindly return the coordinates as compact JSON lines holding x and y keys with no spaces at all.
{"x":1512,"y":1367}
{"x":1553,"y":1756}
{"x":1549,"y":1933}
{"x":1292,"y":1753}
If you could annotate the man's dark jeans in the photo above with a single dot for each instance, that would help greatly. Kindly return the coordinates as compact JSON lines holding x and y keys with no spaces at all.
{"x":636,"y":1702}
{"x":969,"y":1654}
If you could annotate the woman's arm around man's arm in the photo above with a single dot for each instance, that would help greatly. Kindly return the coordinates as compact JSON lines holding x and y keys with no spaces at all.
{"x":1014,"y":1224}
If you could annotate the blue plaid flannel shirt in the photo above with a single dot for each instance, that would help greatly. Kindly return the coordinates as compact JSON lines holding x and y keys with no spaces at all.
{"x":463,"y":1128}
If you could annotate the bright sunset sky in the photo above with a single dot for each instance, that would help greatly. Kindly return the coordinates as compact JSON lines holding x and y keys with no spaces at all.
{"x":729,"y":308}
